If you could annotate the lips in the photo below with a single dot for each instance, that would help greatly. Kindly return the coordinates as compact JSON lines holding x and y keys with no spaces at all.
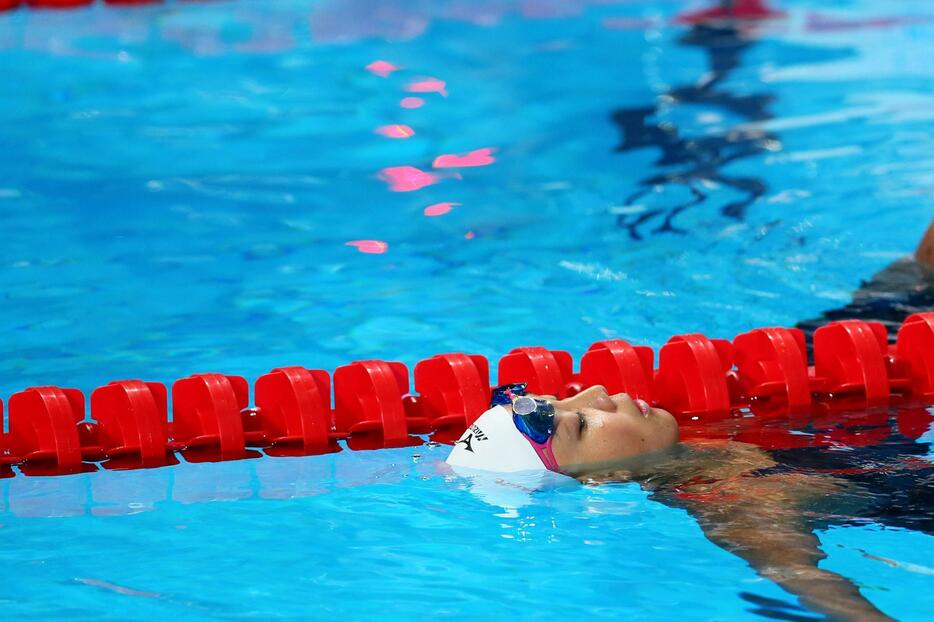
{"x":643,"y":407}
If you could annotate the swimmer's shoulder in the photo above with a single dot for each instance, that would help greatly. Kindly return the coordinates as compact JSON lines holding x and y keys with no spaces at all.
{"x":903,"y":277}
{"x":722,"y":459}
{"x":693,"y":461}
{"x":924,"y":255}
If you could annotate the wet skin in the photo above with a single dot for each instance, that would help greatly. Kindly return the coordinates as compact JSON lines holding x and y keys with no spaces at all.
{"x":762,"y":518}
{"x":925,"y":252}
{"x":595,"y":430}
{"x":601,"y":438}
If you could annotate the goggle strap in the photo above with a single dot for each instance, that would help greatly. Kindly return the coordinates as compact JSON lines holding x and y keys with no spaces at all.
{"x":546,"y":454}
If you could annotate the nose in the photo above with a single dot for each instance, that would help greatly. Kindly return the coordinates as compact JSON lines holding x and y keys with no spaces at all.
{"x":596,"y":397}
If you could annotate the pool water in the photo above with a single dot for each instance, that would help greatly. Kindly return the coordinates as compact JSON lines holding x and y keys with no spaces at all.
{"x":178,"y":187}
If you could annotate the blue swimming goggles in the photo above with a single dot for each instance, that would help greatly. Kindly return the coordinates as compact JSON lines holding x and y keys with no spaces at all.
{"x":533,"y":417}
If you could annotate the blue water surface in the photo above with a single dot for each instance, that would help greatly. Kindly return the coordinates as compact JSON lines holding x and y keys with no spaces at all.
{"x":178,"y":185}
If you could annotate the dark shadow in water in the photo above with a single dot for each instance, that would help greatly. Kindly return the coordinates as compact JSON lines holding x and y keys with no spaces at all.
{"x":702,"y":158}
{"x":776,"y":609}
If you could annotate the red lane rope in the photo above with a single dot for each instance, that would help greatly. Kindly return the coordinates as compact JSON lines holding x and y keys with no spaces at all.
{"x":715,"y":388}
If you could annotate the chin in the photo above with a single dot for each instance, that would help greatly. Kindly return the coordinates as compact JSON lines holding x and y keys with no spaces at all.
{"x":674,"y":434}
{"x":664,"y":414}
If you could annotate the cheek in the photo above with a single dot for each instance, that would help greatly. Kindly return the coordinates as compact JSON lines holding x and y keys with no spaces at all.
{"x":616,"y":439}
{"x":566,"y":450}
{"x":613,"y":437}
{"x":631,"y":436}
{"x":602,"y":442}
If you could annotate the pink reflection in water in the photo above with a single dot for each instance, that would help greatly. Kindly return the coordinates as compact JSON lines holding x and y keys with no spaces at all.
{"x":439,"y":209}
{"x":480,"y":157}
{"x":381,"y":68}
{"x":373,"y":247}
{"x":470,"y":235}
{"x":412,"y":102}
{"x":407,"y":178}
{"x":427,"y":85}
{"x":395,"y":131}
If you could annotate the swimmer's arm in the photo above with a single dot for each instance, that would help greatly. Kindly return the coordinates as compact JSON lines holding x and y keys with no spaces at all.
{"x":784,"y":550}
{"x":925,"y":252}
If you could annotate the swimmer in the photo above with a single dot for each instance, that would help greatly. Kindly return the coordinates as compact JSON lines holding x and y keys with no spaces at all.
{"x":753,"y":503}
{"x":903,"y":288}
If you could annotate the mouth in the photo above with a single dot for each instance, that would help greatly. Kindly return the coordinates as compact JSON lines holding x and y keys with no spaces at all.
{"x":622,"y":401}
{"x":643,"y":407}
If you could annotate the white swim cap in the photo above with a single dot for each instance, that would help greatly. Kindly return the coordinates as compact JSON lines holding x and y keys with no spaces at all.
{"x":493,"y":443}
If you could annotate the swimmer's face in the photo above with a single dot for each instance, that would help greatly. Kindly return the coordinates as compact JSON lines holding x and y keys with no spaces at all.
{"x":595,"y":430}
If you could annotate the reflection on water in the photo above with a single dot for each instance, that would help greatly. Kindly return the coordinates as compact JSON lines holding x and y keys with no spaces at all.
{"x":886,"y":452}
{"x":227,"y":213}
{"x":698,"y":160}
{"x":144,"y":490}
{"x":884,"y":456}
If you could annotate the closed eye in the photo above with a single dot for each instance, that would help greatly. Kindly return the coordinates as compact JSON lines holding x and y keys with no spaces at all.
{"x":581,"y":423}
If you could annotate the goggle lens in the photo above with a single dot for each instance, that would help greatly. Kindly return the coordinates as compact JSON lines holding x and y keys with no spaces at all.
{"x":533,"y":417}
{"x":539,"y":424}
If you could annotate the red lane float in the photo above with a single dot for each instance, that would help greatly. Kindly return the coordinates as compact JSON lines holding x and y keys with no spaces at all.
{"x":619,"y":367}
{"x":691,"y":380}
{"x":132,"y":424}
{"x":849,"y":361}
{"x":761,"y":375}
{"x":369,"y":407}
{"x":772,"y":365}
{"x":547,"y":372}
{"x":44,"y":436}
{"x":207,"y":423}
{"x":914,"y":346}
{"x":294,"y":412}
{"x":453,"y":389}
